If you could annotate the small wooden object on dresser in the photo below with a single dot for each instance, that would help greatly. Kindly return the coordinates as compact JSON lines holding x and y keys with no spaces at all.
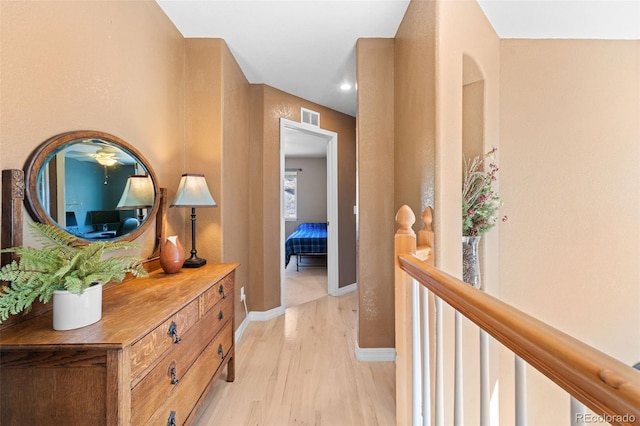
{"x":162,"y":342}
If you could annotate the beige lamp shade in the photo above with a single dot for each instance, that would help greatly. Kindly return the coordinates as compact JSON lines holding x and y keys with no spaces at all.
{"x":193,"y":192}
{"x":138,"y":193}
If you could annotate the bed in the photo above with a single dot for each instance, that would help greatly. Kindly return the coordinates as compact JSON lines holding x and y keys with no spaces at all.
{"x":309,"y":239}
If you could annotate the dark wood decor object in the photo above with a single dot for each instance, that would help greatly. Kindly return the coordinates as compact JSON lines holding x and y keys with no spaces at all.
{"x":12,"y":198}
{"x":162,"y":342}
{"x":161,"y":216}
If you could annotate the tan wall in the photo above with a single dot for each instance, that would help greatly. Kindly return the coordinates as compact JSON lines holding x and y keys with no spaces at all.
{"x":570,"y":163}
{"x":414,"y":113}
{"x":464,"y":33}
{"x":110,"y":66}
{"x":217,"y":144}
{"x":268,"y":105}
{"x":257,"y":291}
{"x":123,"y":68}
{"x":473,"y":120}
{"x":415,"y":108}
{"x":467,"y":46}
{"x":558,"y":100}
{"x":235,"y":176}
{"x":203,"y":139}
{"x":374,"y":73}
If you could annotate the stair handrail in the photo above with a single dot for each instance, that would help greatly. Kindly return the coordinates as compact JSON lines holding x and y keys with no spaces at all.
{"x":604,"y":384}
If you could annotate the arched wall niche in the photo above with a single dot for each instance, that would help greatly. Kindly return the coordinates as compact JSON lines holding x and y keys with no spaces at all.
{"x":472,"y":108}
{"x":473,"y":120}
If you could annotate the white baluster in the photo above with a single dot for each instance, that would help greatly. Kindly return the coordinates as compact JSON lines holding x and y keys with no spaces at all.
{"x":458,"y":400}
{"x":578,"y":412}
{"x":416,"y":366}
{"x":521,"y":391}
{"x":485,"y":383}
{"x":439,"y":399}
{"x":426,"y":359}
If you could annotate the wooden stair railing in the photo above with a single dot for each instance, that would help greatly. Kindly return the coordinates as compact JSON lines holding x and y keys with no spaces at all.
{"x":607,"y":386}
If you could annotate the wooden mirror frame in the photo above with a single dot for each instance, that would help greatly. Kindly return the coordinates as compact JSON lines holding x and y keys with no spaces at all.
{"x":41,"y":155}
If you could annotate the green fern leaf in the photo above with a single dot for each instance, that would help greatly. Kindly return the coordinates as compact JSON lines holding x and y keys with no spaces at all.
{"x":63,"y":263}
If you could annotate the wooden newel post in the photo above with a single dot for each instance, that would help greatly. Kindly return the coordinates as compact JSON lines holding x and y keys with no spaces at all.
{"x":404,"y":243}
{"x":426,"y":236}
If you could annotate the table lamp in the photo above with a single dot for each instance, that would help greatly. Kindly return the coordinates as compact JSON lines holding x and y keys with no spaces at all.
{"x":193,"y":192}
{"x":138,"y":194}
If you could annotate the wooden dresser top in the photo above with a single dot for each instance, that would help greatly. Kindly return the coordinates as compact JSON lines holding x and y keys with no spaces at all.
{"x":129,"y":311}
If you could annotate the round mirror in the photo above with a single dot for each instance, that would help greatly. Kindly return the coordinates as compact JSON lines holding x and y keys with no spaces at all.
{"x":91,"y":184}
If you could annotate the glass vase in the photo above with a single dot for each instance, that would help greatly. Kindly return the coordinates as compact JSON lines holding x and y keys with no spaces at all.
{"x":471,"y":261}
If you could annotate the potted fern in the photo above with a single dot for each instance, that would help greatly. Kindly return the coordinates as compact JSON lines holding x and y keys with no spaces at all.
{"x":67,"y":270}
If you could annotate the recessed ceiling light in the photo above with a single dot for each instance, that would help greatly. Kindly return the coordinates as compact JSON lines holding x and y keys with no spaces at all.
{"x":345,"y":86}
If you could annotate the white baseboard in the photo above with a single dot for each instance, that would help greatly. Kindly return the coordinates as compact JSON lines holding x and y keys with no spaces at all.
{"x":276,"y":312}
{"x":257,"y":316}
{"x":266,"y":315}
{"x":375,"y":354}
{"x":241,"y":328}
{"x":347,"y":289}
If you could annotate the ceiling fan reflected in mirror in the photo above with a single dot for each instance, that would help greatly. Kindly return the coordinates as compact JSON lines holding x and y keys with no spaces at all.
{"x":106,"y":156}
{"x":102,"y":152}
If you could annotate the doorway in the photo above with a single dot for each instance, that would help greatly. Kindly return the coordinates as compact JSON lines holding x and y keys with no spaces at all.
{"x":304,"y":138}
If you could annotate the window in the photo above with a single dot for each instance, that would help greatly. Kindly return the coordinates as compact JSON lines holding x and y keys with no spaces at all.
{"x":291,"y":196}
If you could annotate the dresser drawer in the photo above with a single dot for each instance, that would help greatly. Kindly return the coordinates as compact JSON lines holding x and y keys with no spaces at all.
{"x":120,"y":368}
{"x":222,"y":290}
{"x":151,"y":392}
{"x":187,"y":393}
{"x":148,"y":349}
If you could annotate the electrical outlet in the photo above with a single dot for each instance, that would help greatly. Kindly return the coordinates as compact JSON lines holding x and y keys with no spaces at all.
{"x":242,"y":296}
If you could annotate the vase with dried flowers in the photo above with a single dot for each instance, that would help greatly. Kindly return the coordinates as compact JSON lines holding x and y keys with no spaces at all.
{"x":480,"y":205}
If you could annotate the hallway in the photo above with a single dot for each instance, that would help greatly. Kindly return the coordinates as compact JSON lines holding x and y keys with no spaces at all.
{"x":300,"y":369}
{"x":307,"y":283}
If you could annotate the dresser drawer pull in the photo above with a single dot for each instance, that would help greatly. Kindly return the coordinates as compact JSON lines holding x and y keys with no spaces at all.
{"x":220,"y":316}
{"x":171,"y":421}
{"x":173,"y":333}
{"x":221,"y":352}
{"x":174,"y":376}
{"x":221,"y":291}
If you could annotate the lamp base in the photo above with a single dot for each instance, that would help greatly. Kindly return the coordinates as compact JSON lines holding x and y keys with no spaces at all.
{"x":194,"y":262}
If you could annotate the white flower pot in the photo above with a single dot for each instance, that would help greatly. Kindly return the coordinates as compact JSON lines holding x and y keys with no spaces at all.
{"x":72,"y":310}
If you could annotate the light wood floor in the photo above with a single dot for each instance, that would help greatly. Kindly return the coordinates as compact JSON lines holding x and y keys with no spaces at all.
{"x":300,"y":369}
{"x":306,"y":284}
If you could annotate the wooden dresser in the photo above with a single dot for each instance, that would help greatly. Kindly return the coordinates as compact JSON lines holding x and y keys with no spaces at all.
{"x":162,"y":342}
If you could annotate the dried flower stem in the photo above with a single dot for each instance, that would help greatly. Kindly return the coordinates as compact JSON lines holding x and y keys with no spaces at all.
{"x":480,"y":203}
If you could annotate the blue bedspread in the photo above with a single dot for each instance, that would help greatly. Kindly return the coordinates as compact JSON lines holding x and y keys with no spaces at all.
{"x":308,"y":238}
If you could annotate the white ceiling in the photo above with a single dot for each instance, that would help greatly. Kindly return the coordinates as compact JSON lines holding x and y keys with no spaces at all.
{"x":307,"y":47}
{"x":569,"y":19}
{"x":303,"y":47}
{"x":298,"y":143}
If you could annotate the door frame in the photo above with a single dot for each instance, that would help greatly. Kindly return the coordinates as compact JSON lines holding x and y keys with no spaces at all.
{"x":332,"y":204}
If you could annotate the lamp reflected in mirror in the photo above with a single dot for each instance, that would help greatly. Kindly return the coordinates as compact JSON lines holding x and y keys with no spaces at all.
{"x":138,"y":193}
{"x":193,"y":192}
